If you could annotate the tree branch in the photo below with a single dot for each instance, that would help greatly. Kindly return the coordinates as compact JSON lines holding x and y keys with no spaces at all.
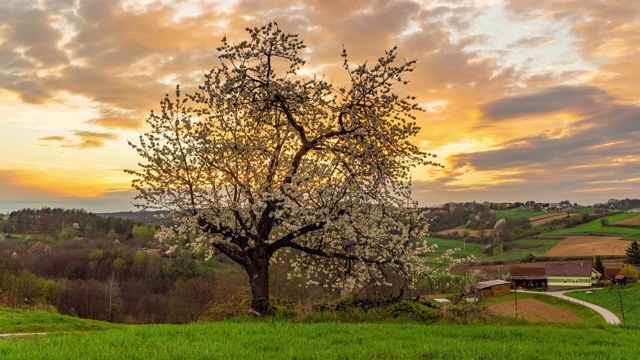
{"x":226,"y":232}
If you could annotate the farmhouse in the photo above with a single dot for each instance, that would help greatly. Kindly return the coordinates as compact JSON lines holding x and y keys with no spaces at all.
{"x":567,"y":275}
{"x":528,"y":277}
{"x":491,"y":288}
{"x":554,"y":276}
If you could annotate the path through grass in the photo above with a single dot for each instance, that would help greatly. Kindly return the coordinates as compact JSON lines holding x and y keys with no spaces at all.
{"x":610,"y":298}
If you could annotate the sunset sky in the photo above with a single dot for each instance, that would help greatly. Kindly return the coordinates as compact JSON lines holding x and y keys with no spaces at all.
{"x":526,"y":100}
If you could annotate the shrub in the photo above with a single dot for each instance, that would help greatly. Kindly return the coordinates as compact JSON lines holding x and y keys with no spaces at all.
{"x":281,"y":308}
{"x":467,"y":313}
{"x":412,"y":310}
{"x":223,"y":310}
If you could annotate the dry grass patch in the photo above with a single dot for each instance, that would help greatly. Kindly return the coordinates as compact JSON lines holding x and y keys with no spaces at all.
{"x":474,"y":233}
{"x":589,"y":245}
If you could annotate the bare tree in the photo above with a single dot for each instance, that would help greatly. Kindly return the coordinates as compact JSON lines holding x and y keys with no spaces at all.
{"x":261,"y":160}
{"x":113,"y":289}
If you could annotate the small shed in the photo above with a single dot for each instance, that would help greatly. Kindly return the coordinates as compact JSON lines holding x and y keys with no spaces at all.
{"x":610,"y":273}
{"x":620,"y":279}
{"x":491,"y":288}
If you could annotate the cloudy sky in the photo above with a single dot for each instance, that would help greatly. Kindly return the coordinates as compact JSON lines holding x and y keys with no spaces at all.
{"x":526,"y":100}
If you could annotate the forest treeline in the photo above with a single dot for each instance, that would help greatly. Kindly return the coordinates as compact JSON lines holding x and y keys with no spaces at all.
{"x":101,"y":267}
{"x":110,"y":280}
{"x":54,"y":220}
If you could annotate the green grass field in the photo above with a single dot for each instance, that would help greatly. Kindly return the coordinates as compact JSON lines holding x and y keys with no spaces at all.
{"x":610,"y":299}
{"x":273,"y":338}
{"x":31,"y":321}
{"x":595,"y":227}
{"x":444,"y":245}
{"x":31,"y":237}
{"x":615,"y":218}
{"x":535,"y":246}
{"x":332,"y":340}
{"x":521,"y":249}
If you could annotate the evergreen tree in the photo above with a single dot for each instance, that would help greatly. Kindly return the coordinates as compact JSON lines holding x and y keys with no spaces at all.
{"x":633,"y":254}
{"x":599,"y":267}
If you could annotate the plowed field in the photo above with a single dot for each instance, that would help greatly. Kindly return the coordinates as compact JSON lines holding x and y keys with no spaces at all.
{"x":534,"y":310}
{"x":474,"y":233}
{"x":589,"y":245}
{"x":630,"y":221}
{"x":543,"y":219}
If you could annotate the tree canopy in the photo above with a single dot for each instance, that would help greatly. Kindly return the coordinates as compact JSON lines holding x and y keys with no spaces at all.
{"x":633,"y":254}
{"x":261,"y":160}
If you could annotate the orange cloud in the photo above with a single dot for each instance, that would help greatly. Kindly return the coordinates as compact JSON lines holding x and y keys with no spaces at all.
{"x":53,"y":138}
{"x":603,"y":190}
{"x":90,"y":139}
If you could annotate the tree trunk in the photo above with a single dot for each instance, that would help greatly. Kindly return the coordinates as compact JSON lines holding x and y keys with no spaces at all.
{"x":258,"y":271}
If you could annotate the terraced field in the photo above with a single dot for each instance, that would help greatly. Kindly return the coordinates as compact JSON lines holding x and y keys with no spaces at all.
{"x":543,"y":219}
{"x":630,"y":221}
{"x":589,"y":245}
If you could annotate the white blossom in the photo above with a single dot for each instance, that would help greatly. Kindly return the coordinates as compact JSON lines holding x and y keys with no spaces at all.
{"x":260,"y":160}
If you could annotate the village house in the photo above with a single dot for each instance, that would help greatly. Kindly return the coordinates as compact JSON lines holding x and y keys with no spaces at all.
{"x":554,"y":276}
{"x":570,"y":275}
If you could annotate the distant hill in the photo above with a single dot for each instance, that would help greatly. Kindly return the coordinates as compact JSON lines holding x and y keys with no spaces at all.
{"x":145,"y":217}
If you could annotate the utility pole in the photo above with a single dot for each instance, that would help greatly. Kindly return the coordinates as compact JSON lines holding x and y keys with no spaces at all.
{"x":621,"y":308}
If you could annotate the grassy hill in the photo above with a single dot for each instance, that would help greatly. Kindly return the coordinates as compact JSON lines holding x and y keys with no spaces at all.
{"x":546,"y":235}
{"x":14,"y":321}
{"x":520,"y":249}
{"x":598,"y":228}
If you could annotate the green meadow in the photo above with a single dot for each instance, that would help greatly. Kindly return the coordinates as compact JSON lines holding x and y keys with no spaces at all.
{"x":281,"y":339}
{"x":30,"y":321}
{"x":466,"y":249}
{"x":597,"y":228}
{"x":617,"y":299}
{"x":520,"y":249}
